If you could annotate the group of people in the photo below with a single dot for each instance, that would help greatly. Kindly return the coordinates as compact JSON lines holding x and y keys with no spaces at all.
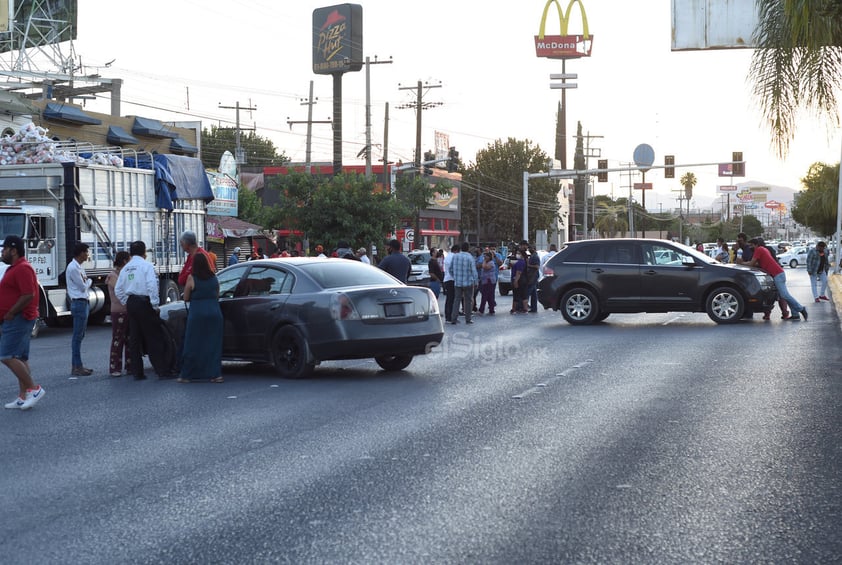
{"x":755,"y":253}
{"x":135,"y":322}
{"x":468,"y":273}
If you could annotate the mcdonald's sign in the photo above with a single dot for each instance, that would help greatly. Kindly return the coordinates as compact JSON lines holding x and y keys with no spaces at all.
{"x":563,"y":46}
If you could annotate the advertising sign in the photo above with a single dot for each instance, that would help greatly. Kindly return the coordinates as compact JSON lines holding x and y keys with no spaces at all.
{"x":563,"y":46}
{"x":773,"y":204}
{"x":225,"y":193}
{"x":337,"y":39}
{"x":727,"y":188}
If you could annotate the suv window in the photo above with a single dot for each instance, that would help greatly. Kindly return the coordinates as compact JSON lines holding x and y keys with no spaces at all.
{"x":581,"y":254}
{"x":624,"y":253}
{"x":656,"y":254}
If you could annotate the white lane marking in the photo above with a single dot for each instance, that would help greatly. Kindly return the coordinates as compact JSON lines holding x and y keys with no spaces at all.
{"x":548,"y":381}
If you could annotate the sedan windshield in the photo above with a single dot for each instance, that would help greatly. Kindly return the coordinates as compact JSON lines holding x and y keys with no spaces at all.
{"x":344,"y":272}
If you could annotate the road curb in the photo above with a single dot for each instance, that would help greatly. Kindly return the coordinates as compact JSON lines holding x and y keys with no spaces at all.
{"x":834,"y":281}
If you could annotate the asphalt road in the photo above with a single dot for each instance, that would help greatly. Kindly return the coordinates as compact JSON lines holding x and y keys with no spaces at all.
{"x":644,"y":439}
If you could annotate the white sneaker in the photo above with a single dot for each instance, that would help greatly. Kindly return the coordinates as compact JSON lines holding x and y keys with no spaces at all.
{"x":33,"y":396}
{"x":15,"y":404}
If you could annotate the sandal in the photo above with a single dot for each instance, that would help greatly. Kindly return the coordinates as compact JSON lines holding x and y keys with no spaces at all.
{"x":217,"y":380}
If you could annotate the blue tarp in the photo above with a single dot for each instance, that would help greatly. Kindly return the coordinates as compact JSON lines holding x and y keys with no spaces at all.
{"x":179,"y":145}
{"x":151,"y":128}
{"x":71,"y":114}
{"x":118,"y":136}
{"x":180,"y":178}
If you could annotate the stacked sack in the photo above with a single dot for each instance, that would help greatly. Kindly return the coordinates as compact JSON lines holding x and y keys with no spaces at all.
{"x":31,"y":145}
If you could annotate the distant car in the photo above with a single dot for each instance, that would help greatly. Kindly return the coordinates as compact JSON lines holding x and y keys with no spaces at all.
{"x":589,"y":280}
{"x":794,"y":257}
{"x":504,"y":276}
{"x":296,"y":312}
{"x":420,"y":273}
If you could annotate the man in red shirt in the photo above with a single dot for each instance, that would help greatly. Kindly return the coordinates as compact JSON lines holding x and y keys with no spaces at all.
{"x":18,"y":311}
{"x":762,"y":259}
{"x":190,"y":245}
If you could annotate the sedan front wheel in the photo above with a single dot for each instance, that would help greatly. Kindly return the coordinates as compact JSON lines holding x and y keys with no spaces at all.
{"x":393,"y":362}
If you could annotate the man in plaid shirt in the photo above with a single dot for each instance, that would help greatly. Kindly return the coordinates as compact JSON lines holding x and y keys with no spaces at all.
{"x":464,"y":271}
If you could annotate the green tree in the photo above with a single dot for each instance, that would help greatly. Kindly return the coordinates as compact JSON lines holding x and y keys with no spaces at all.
{"x":798,"y":63}
{"x":498,"y":174}
{"x":259,"y":151}
{"x":250,"y":208}
{"x":612,"y":218}
{"x":330,"y":209}
{"x":815,"y":207}
{"x":688,"y":181}
{"x":414,"y":193}
{"x":580,"y":187}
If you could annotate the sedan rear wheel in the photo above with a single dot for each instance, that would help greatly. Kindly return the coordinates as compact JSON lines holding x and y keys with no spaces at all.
{"x":725,"y":305}
{"x":579,"y":307}
{"x":289,"y":354}
{"x":393,"y":362}
{"x":793,"y":264}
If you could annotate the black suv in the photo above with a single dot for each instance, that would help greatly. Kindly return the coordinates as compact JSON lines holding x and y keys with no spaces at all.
{"x":588,"y":280}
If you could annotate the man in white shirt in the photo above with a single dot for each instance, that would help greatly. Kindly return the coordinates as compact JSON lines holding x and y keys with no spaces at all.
{"x":137,"y":288}
{"x":361,"y":253}
{"x":449,"y":288}
{"x":78,"y":285}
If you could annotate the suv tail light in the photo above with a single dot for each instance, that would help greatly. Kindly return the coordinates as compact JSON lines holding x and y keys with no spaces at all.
{"x":548,"y":272}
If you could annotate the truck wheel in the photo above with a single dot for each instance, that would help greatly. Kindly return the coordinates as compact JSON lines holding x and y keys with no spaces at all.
{"x":169,"y":291}
{"x":98,"y":317}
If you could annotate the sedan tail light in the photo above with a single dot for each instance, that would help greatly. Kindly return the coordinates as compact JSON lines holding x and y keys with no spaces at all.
{"x":548,"y":272}
{"x":341,"y":308}
{"x":434,"y":303}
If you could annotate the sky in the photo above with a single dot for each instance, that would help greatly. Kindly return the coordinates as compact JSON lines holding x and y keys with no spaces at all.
{"x":181,"y":60}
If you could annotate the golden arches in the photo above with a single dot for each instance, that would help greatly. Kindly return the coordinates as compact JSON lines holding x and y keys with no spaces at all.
{"x":563,"y":17}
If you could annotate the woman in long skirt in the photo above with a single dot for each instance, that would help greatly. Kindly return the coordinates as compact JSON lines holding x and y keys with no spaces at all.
{"x":202,"y":358}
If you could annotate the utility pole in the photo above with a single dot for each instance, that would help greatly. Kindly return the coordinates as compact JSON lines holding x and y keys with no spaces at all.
{"x":239,"y":155}
{"x":596,"y":152}
{"x":418,"y":105}
{"x":308,"y":166}
{"x":367,"y":149}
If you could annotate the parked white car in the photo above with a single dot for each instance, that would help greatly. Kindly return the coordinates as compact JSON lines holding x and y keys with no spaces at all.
{"x":794,"y":257}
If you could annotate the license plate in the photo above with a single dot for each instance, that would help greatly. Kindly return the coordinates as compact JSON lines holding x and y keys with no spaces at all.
{"x":394,"y":310}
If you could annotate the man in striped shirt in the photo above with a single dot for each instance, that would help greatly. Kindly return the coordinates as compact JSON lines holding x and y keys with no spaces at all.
{"x":464,"y":271}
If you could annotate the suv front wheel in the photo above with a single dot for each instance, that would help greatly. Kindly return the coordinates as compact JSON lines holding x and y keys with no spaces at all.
{"x":579,"y":307}
{"x":725,"y":305}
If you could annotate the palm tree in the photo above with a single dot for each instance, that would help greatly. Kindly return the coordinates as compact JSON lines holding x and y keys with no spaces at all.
{"x":611,"y":218}
{"x":688,"y":181}
{"x":797,"y":64}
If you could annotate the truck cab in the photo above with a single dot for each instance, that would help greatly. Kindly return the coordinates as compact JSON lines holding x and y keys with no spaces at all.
{"x":37,"y":226}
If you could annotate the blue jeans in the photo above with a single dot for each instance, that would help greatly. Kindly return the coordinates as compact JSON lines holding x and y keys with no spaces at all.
{"x":783,"y":292}
{"x":817,"y":279}
{"x":435,"y":286}
{"x":79,"y":311}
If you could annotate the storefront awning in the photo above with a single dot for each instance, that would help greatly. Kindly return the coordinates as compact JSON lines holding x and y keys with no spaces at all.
{"x":179,"y":145}
{"x":70,"y":114}
{"x":224,"y":226}
{"x":118,"y":136}
{"x":151,"y":128}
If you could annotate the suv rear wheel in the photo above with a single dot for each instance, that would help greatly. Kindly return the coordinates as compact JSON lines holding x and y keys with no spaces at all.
{"x":725,"y":305}
{"x":579,"y":307}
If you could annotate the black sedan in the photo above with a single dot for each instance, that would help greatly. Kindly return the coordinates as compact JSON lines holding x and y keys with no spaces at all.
{"x":589,"y":280}
{"x":297,"y":312}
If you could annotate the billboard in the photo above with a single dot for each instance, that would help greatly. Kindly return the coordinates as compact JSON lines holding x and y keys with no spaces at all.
{"x":39,"y":23}
{"x":337,"y":39}
{"x":713,"y":24}
{"x":563,"y":46}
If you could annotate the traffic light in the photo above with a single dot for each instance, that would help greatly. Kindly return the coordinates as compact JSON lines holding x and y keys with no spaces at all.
{"x":452,"y":160}
{"x":669,"y":168}
{"x":428,"y":156}
{"x":602,"y":176}
{"x":737,"y":169}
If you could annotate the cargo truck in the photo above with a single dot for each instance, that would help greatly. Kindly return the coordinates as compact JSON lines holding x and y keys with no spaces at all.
{"x":107,"y":206}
